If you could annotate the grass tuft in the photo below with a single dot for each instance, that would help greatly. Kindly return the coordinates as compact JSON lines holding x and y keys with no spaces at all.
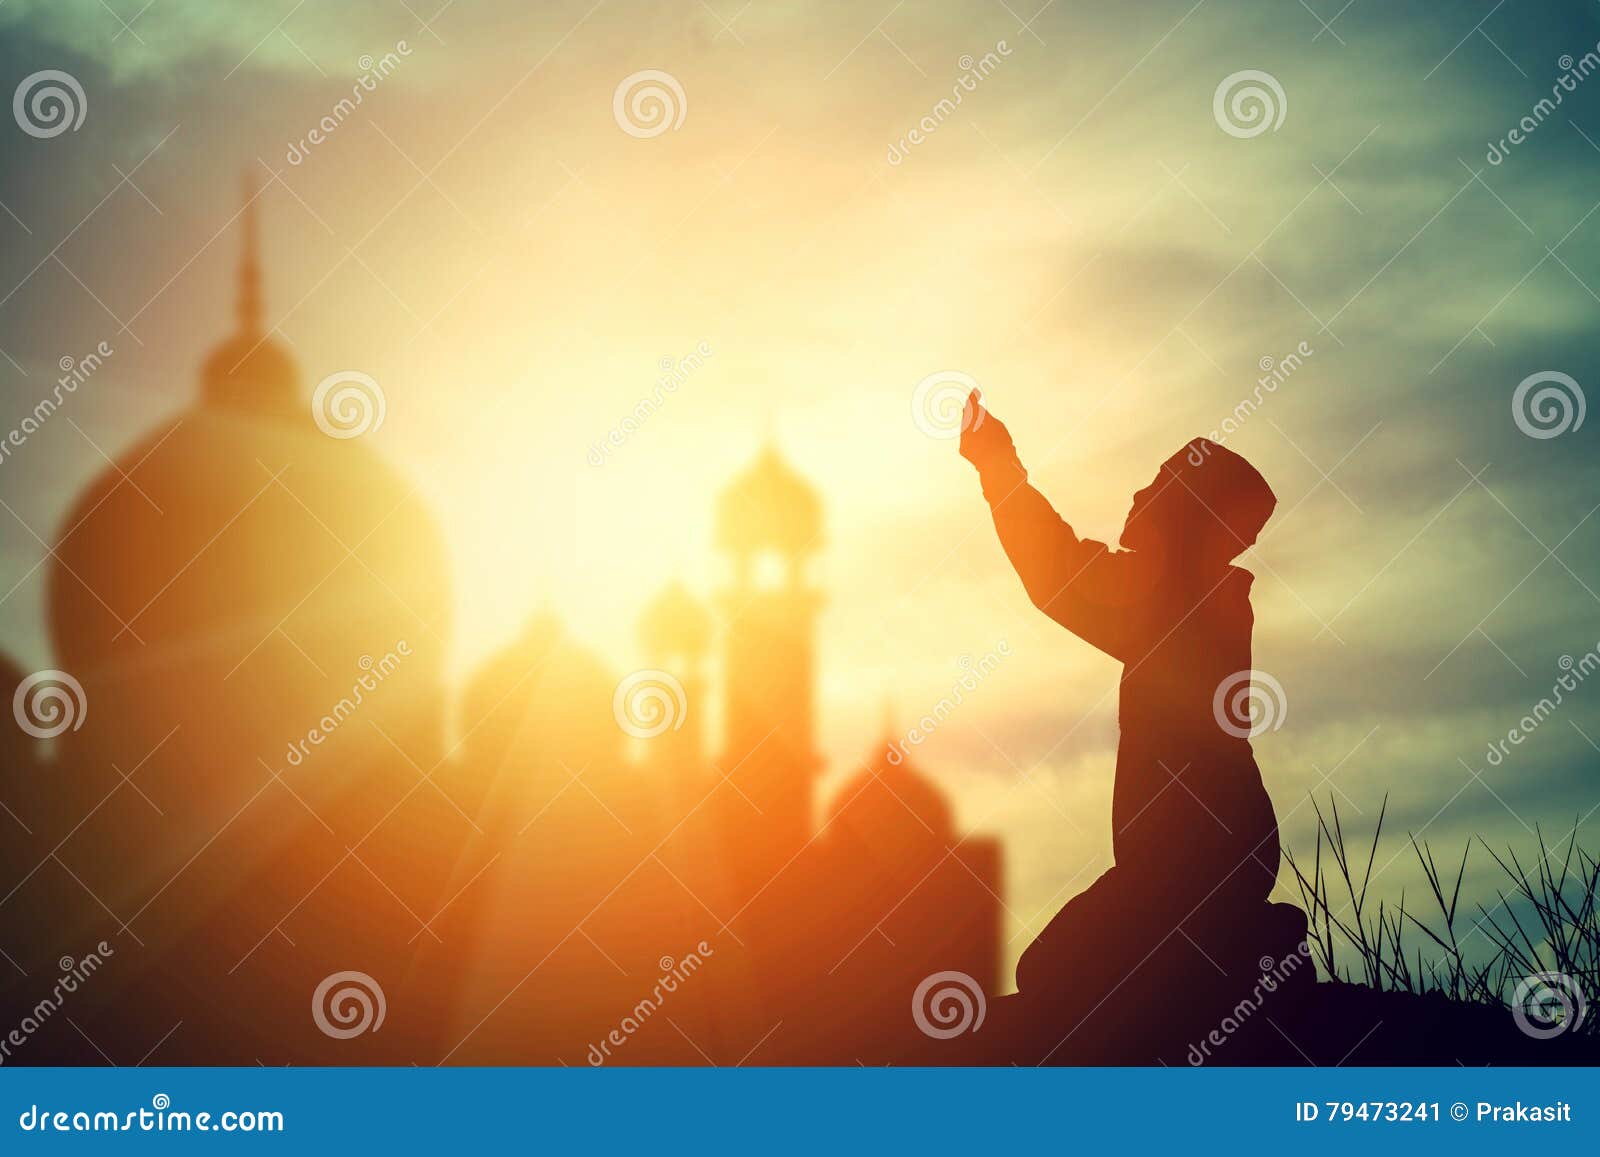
{"x":1547,"y":919}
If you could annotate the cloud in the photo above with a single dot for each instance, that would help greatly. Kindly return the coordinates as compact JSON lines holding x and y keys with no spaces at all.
{"x":186,"y":41}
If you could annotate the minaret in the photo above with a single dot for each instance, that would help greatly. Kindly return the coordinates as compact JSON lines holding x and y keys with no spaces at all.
{"x":769,"y":524}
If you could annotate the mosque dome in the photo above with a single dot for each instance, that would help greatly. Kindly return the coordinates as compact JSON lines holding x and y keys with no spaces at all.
{"x":890,"y":797}
{"x":233,"y":573}
{"x":769,"y":507}
{"x":676,"y":624}
{"x":541,"y":701}
{"x":251,"y":371}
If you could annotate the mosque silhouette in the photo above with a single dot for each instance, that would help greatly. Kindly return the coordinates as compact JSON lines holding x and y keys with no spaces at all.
{"x":258,"y":830}
{"x":239,"y":830}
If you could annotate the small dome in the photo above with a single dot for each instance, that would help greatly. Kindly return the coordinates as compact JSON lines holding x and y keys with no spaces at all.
{"x":891,"y":797}
{"x":769,"y":507}
{"x":250,"y":370}
{"x":253,"y":372}
{"x":543,"y":701}
{"x":676,"y":623}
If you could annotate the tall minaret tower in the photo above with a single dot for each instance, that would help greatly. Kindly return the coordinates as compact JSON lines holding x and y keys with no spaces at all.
{"x":769,"y":524}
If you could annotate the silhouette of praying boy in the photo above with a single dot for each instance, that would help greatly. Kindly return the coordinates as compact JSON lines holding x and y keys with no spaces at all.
{"x":1192,"y":826}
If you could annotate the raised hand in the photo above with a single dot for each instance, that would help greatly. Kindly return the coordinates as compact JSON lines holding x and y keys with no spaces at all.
{"x":984,"y":438}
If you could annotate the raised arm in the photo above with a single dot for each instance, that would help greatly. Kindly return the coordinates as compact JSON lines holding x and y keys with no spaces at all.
{"x":1077,"y":582}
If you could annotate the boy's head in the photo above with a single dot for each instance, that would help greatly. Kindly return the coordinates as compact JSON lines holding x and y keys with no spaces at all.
{"x":1205,"y":497}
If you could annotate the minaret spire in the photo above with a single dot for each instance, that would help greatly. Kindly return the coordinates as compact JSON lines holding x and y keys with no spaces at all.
{"x":250,"y":263}
{"x":249,"y":369}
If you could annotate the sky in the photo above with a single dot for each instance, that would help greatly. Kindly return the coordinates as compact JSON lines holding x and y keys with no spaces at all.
{"x":1115,"y":252}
